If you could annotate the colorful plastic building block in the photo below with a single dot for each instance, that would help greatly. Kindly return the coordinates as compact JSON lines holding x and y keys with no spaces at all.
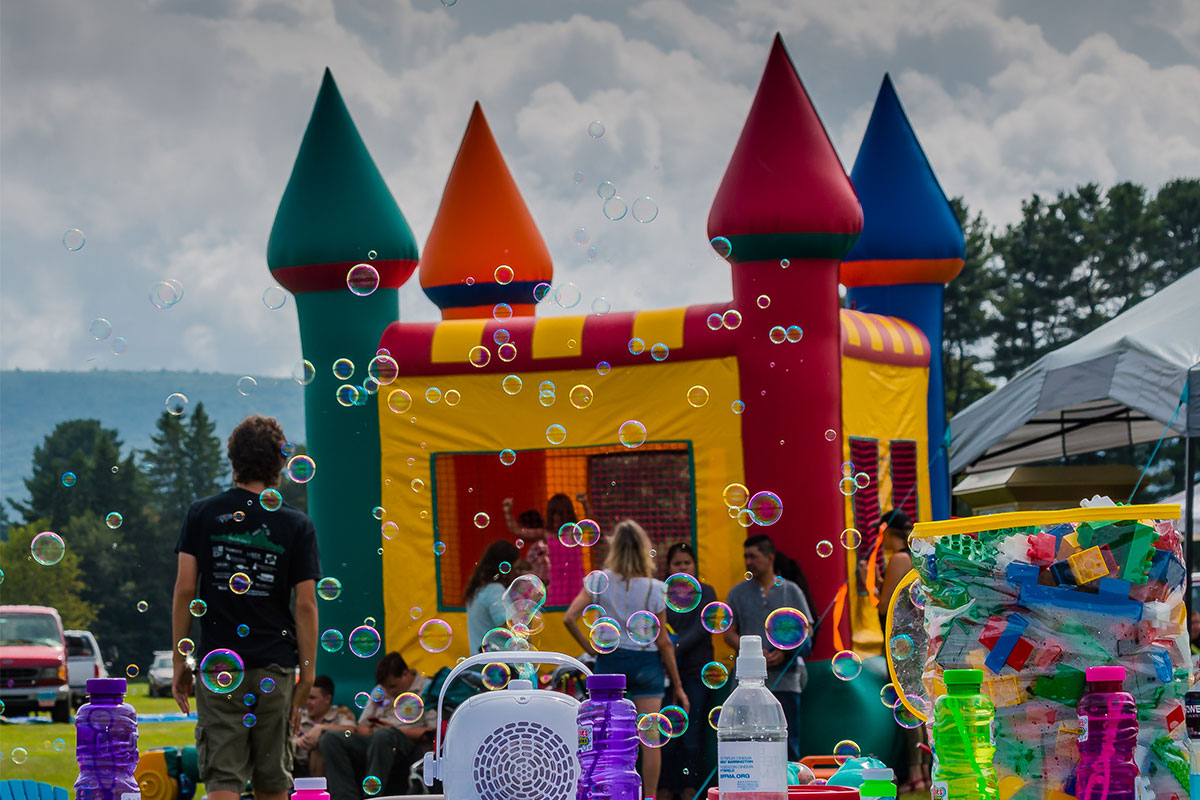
{"x":1004,"y":690}
{"x":1088,"y":565}
{"x":1113,"y":597}
{"x":1065,"y":687}
{"x":1004,"y":638}
{"x":1042,"y":549}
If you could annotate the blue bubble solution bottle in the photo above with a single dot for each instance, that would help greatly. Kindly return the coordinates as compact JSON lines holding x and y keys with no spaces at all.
{"x":106,"y":750}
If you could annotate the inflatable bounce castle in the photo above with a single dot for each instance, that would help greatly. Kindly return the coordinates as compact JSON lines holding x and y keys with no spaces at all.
{"x":643,"y":414}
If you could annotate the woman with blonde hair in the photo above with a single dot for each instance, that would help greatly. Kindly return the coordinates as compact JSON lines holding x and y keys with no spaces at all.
{"x":629,"y":587}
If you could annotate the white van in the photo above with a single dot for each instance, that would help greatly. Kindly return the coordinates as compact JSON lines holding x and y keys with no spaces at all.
{"x":83,"y":662}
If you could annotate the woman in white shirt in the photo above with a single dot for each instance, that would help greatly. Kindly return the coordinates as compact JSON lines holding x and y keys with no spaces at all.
{"x":630,"y":589}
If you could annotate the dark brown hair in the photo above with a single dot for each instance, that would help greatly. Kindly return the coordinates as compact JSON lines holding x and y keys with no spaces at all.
{"x":255,"y":450}
{"x":488,"y":569}
{"x":390,"y":666}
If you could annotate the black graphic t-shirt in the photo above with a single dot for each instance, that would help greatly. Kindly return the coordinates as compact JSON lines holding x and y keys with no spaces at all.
{"x":249,"y":560}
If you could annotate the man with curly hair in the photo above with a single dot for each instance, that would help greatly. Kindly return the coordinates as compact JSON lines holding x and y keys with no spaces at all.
{"x":250,"y":558}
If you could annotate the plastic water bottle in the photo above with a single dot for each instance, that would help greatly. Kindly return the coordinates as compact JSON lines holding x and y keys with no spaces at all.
{"x":877,"y":783}
{"x":608,"y":744}
{"x":106,"y":735}
{"x":964,"y":740}
{"x":752,"y":733}
{"x":1192,"y":711}
{"x":1108,"y":732}
{"x":309,"y":789}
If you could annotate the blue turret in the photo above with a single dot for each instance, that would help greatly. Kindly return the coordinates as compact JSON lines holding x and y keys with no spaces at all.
{"x":910,"y":248}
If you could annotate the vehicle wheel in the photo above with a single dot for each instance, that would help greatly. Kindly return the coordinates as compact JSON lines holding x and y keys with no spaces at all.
{"x":61,"y":712}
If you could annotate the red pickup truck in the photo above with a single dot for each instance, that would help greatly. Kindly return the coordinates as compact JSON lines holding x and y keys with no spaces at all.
{"x":33,"y":662}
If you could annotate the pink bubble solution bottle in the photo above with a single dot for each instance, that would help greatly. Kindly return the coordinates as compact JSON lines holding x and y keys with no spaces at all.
{"x":1108,"y":732}
{"x":309,"y":789}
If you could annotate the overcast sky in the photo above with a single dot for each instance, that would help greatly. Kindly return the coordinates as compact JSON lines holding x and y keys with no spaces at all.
{"x":165,"y":130}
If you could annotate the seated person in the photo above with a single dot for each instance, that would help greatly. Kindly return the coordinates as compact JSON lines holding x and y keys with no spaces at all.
{"x":380,"y":742}
{"x":317,"y":716}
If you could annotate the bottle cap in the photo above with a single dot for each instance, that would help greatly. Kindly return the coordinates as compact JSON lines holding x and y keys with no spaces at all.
{"x":309,"y":784}
{"x":106,"y":686}
{"x":606,"y":683}
{"x":963,"y":677}
{"x":878,"y":774}
{"x":1103,"y":674}
{"x":751,"y":663}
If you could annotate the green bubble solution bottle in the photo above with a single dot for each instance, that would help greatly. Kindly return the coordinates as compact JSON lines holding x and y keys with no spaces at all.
{"x":963,"y":740}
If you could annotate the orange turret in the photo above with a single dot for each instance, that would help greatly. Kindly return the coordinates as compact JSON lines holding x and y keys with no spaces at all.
{"x":484,"y":248}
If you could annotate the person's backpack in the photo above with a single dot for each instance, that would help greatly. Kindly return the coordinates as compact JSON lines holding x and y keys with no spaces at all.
{"x":468,"y":684}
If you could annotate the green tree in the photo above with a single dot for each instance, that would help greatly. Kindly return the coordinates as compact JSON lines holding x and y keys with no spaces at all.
{"x":103,"y":480}
{"x":965,"y":322}
{"x":1175,"y":248}
{"x":58,"y":585}
{"x":207,"y":464}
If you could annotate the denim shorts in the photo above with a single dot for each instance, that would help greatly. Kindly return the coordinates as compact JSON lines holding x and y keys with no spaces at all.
{"x":643,"y":671}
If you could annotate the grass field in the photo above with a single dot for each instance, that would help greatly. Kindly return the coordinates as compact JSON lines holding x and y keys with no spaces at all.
{"x":50,"y":749}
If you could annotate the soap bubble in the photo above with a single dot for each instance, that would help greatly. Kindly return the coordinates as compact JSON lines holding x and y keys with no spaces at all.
{"x":409,"y":707}
{"x":198,"y":607}
{"x":270,"y":499}
{"x":716,"y":617}
{"x":249,"y":720}
{"x":495,"y":640}
{"x":142,"y":606}
{"x":435,"y":635}
{"x":714,"y":717}
{"x":645,"y":209}
{"x":502,"y":312}
{"x":605,"y":636}
{"x":239,"y":583}
{"x":508,"y":457}
{"x":786,"y":628}
{"x":804,"y":773}
{"x":343,"y":369}
{"x":176,"y":403}
{"x":304,"y":372}
{"x":239,"y":516}
{"x":439,"y":548}
{"x":384,"y":369}
{"x":68,"y":479}
{"x":642,"y":627}
{"x":846,"y":665}
{"x":830,"y":434}
{"x":777,"y":334}
{"x":246,"y":385}
{"x":847,"y":486}
{"x":601,"y":306}
{"x":851,"y":538}
{"x":615,"y":208}
{"x":300,"y":469}
{"x":243,"y":630}
{"x":113,"y":519}
{"x":556,"y":434}
{"x":606,"y":190}
{"x":482,"y":520}
{"x":496,"y":676}
{"x":119,"y":345}
{"x":567,"y":295}
{"x":904,"y":717}
{"x":731,"y":319}
{"x":683,"y":592}
{"x":595,"y":129}
{"x":902,"y":647}
{"x":73,"y":240}
{"x":568,"y":534}
{"x":636,"y":346}
{"x":329,"y":588}
{"x":479,"y":356}
{"x":916,"y":593}
{"x":540,"y":291}
{"x":511,"y":384}
{"x":763,"y":301}
{"x":185,"y":647}
{"x":794,"y":333}
{"x":697,"y":396}
{"x":222,"y":671}
{"x":677,"y":720}
{"x":737,"y":406}
{"x":660,"y":351}
{"x":735,"y":495}
{"x":765,"y":508}
{"x":714,"y":674}
{"x":361,"y":699}
{"x":592,"y":613}
{"x":652,"y":729}
{"x":274,"y":298}
{"x":632,"y":434}
{"x":364,"y":641}
{"x":596,"y":581}
{"x":722,"y":245}
{"x":266,"y":685}
{"x":47,"y":548}
{"x":132,"y":670}
{"x":581,"y":395}
{"x":503,"y":274}
{"x":371,"y":784}
{"x":889,"y":695}
{"x":824,"y":548}
{"x":862,"y":480}
{"x":845,"y":750}
{"x":362,"y":279}
{"x":332,"y":640}
{"x":603,"y":368}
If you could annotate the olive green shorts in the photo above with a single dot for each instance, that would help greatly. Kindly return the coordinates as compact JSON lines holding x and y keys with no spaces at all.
{"x":234,"y":748}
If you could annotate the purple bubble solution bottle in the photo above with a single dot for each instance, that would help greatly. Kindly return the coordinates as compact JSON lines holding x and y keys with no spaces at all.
{"x":608,"y":744}
{"x":1108,"y":732}
{"x":106,"y":732}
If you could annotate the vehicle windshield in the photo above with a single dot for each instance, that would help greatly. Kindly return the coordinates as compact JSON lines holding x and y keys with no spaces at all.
{"x":29,"y":629}
{"x":78,"y":647}
{"x":162,"y":661}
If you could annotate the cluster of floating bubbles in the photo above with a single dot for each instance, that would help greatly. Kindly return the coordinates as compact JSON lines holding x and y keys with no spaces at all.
{"x":166,"y":294}
{"x":762,"y":508}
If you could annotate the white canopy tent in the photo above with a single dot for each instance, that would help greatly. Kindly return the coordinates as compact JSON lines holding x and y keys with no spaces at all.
{"x":1124,"y":383}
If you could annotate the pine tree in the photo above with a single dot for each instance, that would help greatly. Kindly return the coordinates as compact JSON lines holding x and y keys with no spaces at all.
{"x":965,"y":322}
{"x":207,"y":466}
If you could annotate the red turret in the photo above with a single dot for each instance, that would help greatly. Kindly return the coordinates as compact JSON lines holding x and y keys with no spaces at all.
{"x":784,"y":216}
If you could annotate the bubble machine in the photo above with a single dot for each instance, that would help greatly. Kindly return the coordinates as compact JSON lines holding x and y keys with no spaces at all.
{"x":515,"y":743}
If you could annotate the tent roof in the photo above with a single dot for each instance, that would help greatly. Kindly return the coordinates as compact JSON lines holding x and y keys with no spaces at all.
{"x":1118,"y":385}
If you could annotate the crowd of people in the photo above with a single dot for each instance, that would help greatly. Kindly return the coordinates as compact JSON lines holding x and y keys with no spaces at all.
{"x":298,"y":729}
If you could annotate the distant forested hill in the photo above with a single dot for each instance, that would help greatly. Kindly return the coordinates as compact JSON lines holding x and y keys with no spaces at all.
{"x":32,"y":403}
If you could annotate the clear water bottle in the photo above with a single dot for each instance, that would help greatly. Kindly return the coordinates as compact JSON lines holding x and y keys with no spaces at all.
{"x":106,"y":735}
{"x":1108,"y":732}
{"x":608,"y":743}
{"x":752,"y":733}
{"x":964,"y":743}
